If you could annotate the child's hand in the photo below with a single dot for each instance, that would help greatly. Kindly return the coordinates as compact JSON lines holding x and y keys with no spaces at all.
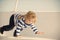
{"x":40,"y":32}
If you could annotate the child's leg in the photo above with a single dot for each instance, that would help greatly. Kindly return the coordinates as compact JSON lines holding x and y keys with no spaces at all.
{"x":8,"y":27}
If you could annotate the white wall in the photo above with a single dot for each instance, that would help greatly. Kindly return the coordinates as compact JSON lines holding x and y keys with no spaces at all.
{"x":39,"y":5}
{"x":26,"y":5}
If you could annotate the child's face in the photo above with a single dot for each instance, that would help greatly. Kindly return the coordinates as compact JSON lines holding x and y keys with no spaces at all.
{"x":29,"y":21}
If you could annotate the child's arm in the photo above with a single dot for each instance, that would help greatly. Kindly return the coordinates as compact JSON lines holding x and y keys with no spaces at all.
{"x":19,"y":17}
{"x":35,"y":30}
{"x":33,"y":27}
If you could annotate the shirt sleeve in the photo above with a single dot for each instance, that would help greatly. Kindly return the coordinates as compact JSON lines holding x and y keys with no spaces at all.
{"x":16,"y":18}
{"x":19,"y":27}
{"x":35,"y":30}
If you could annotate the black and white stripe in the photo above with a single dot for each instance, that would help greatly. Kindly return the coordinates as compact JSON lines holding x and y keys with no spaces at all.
{"x":20,"y":25}
{"x":33,"y":27}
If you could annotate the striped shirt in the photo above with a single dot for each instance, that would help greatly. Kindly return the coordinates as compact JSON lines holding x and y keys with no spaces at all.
{"x":21,"y":24}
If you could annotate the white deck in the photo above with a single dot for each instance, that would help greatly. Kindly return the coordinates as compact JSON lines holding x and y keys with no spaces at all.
{"x":2,"y":37}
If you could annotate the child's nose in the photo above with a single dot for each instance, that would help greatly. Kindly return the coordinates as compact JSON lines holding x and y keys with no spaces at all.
{"x":29,"y":20}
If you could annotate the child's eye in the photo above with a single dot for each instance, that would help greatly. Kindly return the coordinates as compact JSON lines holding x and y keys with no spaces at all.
{"x":33,"y":16}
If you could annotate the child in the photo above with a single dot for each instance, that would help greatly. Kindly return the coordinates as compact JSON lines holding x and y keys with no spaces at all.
{"x":21,"y":21}
{"x":24,"y":21}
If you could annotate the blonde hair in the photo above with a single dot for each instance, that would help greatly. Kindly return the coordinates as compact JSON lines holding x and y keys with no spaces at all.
{"x":31,"y":15}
